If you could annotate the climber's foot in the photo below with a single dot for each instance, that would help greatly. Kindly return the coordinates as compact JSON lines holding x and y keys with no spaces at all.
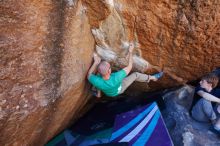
{"x":157,"y":76}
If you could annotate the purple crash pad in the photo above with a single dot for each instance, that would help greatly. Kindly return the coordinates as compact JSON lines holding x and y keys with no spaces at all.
{"x":141,"y":127}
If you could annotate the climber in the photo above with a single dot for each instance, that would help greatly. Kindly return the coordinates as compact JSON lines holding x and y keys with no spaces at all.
{"x":113,"y":84}
{"x":207,"y":95}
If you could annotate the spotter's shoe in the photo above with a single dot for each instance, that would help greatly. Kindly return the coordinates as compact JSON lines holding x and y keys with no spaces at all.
{"x":215,"y":130}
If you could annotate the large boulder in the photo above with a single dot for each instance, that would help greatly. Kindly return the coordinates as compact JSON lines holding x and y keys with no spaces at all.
{"x":46,"y":49}
{"x":180,"y":36}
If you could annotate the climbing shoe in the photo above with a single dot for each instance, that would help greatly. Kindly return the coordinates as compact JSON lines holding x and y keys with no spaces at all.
{"x":158,"y":75}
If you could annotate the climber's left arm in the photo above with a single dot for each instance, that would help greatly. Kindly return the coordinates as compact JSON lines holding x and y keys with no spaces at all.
{"x":94,"y":66}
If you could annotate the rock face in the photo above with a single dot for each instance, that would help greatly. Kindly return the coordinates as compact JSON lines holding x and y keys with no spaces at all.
{"x":182,"y":36}
{"x":46,"y":49}
{"x":183,"y":130}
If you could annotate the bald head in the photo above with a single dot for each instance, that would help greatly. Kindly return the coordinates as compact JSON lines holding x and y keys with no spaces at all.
{"x":103,"y":68}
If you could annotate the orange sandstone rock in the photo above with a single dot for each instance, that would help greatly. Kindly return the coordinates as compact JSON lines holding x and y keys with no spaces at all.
{"x":46,"y":50}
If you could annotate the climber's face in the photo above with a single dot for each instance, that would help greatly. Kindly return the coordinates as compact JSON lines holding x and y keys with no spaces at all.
{"x":204,"y":84}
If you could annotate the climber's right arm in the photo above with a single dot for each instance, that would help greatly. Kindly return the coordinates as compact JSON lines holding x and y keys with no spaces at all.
{"x":130,"y":62}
